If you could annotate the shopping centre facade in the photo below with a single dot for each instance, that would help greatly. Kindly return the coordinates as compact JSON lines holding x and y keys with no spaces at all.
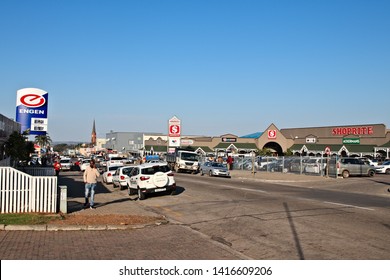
{"x":371,"y":140}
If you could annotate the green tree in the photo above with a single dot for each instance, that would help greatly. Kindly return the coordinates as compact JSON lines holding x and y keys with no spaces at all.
{"x":265,"y":152}
{"x":18,"y":148}
{"x":288,"y":152}
{"x":43,"y":140}
{"x":61,"y":148}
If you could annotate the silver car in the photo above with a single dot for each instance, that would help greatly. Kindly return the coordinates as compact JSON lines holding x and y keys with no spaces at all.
{"x":351,"y":167}
{"x":214,"y":169}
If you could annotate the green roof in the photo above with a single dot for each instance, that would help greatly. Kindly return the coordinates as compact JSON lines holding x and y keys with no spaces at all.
{"x":246,"y":146}
{"x":156,"y":148}
{"x":316,"y":147}
{"x":206,"y":149}
{"x":334,"y":147}
{"x":387,"y":145}
{"x":360,"y":148}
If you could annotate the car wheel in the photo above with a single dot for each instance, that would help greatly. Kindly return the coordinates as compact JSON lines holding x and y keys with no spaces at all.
{"x":371,"y":173}
{"x":141,"y":195}
{"x":210,"y":173}
{"x":387,"y":171}
{"x":201,"y":172}
{"x":345,"y":174}
{"x":130,"y":191}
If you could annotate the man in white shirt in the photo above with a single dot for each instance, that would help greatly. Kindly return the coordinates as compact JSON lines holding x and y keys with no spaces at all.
{"x":91,"y":174}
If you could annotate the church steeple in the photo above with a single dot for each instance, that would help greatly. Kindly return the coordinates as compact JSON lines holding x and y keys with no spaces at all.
{"x":93,"y":136}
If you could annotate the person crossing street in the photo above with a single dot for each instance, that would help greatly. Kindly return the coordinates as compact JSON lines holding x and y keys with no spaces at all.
{"x":91,"y":174}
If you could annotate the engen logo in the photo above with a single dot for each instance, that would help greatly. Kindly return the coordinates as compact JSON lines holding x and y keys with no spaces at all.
{"x":32,"y":100}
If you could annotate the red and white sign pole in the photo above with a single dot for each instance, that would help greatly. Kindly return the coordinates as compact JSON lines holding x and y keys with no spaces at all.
{"x":174,"y":133}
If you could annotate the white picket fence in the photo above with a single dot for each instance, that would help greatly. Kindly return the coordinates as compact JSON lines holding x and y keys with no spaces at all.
{"x":22,"y":193}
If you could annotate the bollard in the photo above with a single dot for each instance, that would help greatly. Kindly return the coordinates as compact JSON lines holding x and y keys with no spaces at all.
{"x":64,"y":199}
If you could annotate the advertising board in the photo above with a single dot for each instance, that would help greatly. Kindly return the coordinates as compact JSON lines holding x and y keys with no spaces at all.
{"x":31,"y":110}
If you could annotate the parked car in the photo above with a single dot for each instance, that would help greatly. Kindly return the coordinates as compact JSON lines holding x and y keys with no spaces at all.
{"x":120,"y":176}
{"x":384,"y":168}
{"x":109,"y":172}
{"x":115,"y":160}
{"x":264,"y":161}
{"x":66,"y":164}
{"x":297,"y":165}
{"x":315,"y":165}
{"x":214,"y":169}
{"x":130,"y":160}
{"x":350,"y":167}
{"x":150,"y":178}
{"x":369,"y":161}
{"x":84,"y":164}
{"x":274,"y":166}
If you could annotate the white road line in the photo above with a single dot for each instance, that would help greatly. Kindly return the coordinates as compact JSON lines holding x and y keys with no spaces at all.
{"x":347,"y":205}
{"x":245,"y":189}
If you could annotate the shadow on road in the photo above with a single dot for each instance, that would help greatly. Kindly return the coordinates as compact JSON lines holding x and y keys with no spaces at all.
{"x":294,"y":232}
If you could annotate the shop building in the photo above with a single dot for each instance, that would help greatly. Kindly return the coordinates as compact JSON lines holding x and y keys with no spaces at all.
{"x":371,"y":140}
{"x":350,"y":140}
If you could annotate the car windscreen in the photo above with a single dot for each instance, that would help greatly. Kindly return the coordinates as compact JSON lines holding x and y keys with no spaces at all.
{"x":127,"y":170}
{"x":113,"y":168}
{"x":154,"y":169}
{"x":215,"y":164}
{"x":189,"y":156}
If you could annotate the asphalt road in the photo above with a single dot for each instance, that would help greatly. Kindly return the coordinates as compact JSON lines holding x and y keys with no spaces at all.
{"x":218,"y":218}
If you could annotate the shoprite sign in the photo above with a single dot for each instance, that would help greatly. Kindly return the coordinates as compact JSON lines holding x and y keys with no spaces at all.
{"x":357,"y":130}
{"x":351,"y":141}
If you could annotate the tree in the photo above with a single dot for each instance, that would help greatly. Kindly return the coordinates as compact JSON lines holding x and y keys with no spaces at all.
{"x":18,"y":148}
{"x":61,"y":148}
{"x":43,"y":140}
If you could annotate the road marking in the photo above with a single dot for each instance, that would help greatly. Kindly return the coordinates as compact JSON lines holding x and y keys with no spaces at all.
{"x":243,"y":189}
{"x":347,"y":205}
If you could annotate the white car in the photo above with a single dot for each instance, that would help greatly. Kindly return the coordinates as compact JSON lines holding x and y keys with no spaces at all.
{"x":369,"y":161}
{"x":151,"y":178}
{"x":66,"y":164}
{"x":384,"y":168}
{"x":120,"y":176}
{"x":84,"y":164}
{"x":110,"y":171}
{"x":315,"y":165}
{"x":115,"y":160}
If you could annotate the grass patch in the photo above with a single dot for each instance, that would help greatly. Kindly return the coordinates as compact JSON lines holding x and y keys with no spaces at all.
{"x":27,"y":219}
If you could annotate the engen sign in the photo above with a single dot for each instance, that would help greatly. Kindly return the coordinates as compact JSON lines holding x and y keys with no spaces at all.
{"x":31,"y":110}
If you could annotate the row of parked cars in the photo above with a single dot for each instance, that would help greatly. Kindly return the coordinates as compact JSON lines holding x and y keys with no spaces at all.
{"x":343,"y":166}
{"x":152,"y":177}
{"x":143,"y":179}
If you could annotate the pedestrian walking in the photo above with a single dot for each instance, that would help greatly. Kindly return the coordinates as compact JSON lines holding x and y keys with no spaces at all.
{"x":57,"y":167}
{"x":230,"y":162}
{"x":91,"y":174}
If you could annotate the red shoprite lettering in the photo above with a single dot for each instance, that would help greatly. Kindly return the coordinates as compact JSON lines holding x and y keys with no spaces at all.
{"x":362,"y":130}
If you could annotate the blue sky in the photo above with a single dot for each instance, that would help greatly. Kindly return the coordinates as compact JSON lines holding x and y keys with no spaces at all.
{"x":220,"y":66}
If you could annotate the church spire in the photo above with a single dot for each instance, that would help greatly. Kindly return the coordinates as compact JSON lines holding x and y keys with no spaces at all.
{"x":93,"y":136}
